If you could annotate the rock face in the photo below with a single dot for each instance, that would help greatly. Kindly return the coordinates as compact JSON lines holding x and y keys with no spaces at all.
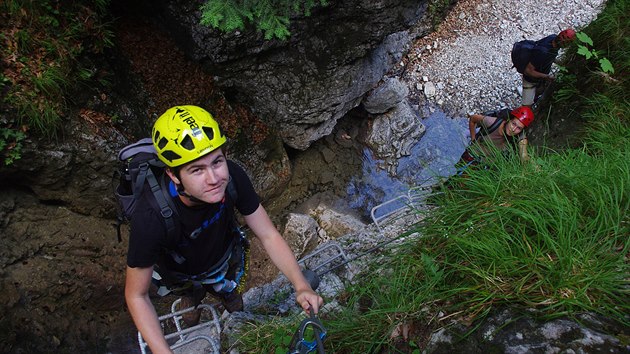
{"x":394,"y":132}
{"x":77,"y":172}
{"x":507,"y":331}
{"x":301,"y":234}
{"x":384,"y":97}
{"x":303,"y":85}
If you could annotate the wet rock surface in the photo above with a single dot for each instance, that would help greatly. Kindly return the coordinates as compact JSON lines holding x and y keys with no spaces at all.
{"x":62,"y":278}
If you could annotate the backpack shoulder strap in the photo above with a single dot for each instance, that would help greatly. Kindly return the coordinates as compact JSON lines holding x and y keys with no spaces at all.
{"x":485,"y":131}
{"x":168,"y":210}
{"x":231,"y":190}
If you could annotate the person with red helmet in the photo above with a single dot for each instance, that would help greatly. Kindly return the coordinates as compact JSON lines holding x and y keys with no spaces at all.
{"x":499,"y":129}
{"x":542,"y":55}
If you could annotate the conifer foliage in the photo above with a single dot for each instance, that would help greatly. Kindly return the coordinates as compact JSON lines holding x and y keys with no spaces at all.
{"x":268,"y":16}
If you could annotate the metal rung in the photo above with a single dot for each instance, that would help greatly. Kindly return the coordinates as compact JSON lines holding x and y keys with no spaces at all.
{"x":404,"y":202}
{"x":184,"y":334}
{"x":414,"y":199}
{"x":418,"y":195}
{"x":331,"y":244}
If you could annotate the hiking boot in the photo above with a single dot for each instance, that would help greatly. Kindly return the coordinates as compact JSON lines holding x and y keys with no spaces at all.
{"x":192,"y":317}
{"x":232,"y":302}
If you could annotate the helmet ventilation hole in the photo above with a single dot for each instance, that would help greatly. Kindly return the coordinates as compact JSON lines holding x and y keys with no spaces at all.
{"x":209,"y":132}
{"x":170,"y":155}
{"x":162,"y":142}
{"x":187,"y":143}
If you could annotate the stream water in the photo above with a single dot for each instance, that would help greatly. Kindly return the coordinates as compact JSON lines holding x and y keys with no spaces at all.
{"x":432,"y":158}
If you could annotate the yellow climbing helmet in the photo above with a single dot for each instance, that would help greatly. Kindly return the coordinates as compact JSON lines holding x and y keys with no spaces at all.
{"x":185,"y":133}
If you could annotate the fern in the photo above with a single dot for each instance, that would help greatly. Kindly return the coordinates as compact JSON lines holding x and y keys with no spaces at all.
{"x":222,"y":14}
{"x":268,"y":16}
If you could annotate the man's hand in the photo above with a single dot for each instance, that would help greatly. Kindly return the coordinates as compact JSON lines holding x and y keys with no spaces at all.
{"x":307,"y":298}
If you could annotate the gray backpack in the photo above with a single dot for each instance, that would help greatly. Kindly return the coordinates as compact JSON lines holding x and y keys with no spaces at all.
{"x":139,"y":165}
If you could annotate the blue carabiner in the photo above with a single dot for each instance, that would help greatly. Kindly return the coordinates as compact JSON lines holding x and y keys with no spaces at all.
{"x":299,"y":345}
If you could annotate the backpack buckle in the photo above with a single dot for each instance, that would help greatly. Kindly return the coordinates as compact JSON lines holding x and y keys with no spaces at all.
{"x":166,"y":212}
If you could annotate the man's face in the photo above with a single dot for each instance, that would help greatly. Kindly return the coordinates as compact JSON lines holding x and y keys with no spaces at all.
{"x":514,"y":127}
{"x":207,"y":177}
{"x":564,"y":43}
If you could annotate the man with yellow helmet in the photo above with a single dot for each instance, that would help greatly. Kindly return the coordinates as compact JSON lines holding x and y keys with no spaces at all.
{"x":205,"y":257}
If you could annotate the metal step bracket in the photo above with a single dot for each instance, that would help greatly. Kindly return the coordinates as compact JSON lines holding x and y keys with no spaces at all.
{"x":390,"y":209}
{"x":401,"y":206}
{"x":331,"y":249}
{"x":209,"y":331}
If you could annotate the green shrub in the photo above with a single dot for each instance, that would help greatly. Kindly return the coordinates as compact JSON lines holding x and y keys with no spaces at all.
{"x":42,"y":42}
{"x":270,"y":16}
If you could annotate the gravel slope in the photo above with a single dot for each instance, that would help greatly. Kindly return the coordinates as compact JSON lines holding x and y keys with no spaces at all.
{"x":467,"y":60}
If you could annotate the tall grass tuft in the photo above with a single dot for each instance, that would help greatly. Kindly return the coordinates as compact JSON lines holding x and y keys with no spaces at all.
{"x":551,"y":237}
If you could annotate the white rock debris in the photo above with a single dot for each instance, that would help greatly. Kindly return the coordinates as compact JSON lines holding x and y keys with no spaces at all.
{"x":471,"y":69}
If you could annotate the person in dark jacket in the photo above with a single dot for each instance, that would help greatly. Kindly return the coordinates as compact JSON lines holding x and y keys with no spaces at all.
{"x":542,"y":56}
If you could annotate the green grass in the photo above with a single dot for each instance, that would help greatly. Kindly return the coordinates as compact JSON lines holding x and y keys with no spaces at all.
{"x":268,"y":337}
{"x":550,"y":235}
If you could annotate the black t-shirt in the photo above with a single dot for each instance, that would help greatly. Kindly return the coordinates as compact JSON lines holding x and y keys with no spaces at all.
{"x":210,"y":223}
{"x":543,"y":56}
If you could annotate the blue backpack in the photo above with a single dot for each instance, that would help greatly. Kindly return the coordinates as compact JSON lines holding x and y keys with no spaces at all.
{"x":521,"y":54}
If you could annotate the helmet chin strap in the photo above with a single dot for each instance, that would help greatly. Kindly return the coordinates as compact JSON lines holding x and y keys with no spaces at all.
{"x":182,"y":191}
{"x":179,"y":187}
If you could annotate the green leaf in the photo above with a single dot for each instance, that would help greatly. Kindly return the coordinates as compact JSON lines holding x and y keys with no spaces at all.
{"x":584,"y":38}
{"x":582,"y":50}
{"x":606,"y":65}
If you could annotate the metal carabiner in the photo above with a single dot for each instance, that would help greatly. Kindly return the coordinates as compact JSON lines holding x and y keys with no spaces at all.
{"x":299,"y":344}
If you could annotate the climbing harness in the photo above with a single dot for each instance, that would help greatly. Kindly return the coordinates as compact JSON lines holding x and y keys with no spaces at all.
{"x":299,"y":344}
{"x":234,"y":263}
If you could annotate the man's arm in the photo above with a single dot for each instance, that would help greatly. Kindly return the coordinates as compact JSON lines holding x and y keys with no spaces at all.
{"x":283,"y":257}
{"x":522,"y":150}
{"x":530,"y":70}
{"x":473,"y":120}
{"x":142,"y":311}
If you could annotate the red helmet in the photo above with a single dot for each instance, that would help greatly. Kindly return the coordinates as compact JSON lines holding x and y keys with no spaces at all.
{"x":567,"y":35}
{"x":524,"y":114}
